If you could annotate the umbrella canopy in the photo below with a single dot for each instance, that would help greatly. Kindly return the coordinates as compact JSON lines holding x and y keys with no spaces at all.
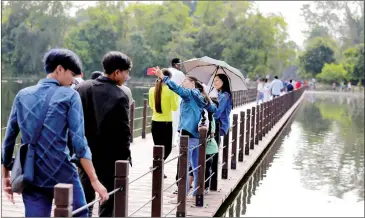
{"x":205,"y":68}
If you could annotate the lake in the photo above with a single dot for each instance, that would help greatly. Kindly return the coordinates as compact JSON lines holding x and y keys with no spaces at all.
{"x":315,"y":167}
{"x":10,"y":89}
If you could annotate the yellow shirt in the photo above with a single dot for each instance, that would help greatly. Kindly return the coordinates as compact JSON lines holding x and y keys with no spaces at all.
{"x":169,"y":103}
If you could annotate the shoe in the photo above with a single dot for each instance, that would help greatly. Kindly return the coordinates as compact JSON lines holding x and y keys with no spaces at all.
{"x":206,"y":192}
{"x":164,"y":176}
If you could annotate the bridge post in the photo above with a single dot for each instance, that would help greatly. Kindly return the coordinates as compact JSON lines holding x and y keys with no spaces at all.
{"x":63,"y":198}
{"x":242,"y":136}
{"x":234,"y":142}
{"x":157,"y":181}
{"x":271,"y":109}
{"x":131,"y":120}
{"x":248,"y":128}
{"x":276,"y":111}
{"x":261,"y":112}
{"x":183,"y":167}
{"x":257,"y":128}
{"x":225,"y":156}
{"x":215,"y":165}
{"x":121,"y":181}
{"x":144,"y":121}
{"x":252,"y":138}
{"x":199,"y":200}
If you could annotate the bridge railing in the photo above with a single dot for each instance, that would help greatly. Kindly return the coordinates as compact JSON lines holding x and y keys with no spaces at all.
{"x":248,"y":129}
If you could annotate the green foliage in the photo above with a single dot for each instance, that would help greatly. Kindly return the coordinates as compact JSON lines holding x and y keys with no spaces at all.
{"x":151,"y":34}
{"x":332,"y":72}
{"x":318,"y":52}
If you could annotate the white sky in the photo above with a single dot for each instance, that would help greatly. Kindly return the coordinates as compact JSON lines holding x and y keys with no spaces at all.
{"x":290,"y":10}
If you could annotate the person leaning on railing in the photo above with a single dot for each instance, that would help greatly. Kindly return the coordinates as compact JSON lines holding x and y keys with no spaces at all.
{"x":48,"y":160}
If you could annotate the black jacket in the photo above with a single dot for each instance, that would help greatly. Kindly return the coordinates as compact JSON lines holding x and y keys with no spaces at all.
{"x":106,"y":113}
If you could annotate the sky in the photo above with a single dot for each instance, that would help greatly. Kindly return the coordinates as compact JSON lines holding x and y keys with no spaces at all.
{"x":290,"y":10}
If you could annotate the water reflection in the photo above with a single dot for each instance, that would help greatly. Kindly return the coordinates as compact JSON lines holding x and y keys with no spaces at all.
{"x":316,"y":166}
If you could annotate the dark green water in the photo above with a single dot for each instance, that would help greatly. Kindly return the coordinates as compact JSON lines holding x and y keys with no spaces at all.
{"x":10,"y":89}
{"x":315,"y":168}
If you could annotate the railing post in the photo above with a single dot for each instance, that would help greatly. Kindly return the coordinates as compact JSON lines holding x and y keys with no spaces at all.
{"x":144,"y":121}
{"x":225,"y":156}
{"x":121,"y":180}
{"x":157,"y":181}
{"x":234,"y":142}
{"x":242,"y":136}
{"x":252,"y":138}
{"x":183,"y":167}
{"x":131,"y":120}
{"x":270,"y":115}
{"x":215,"y":165}
{"x":261,"y":111}
{"x":257,"y":128}
{"x":248,"y":127}
{"x":199,"y":200}
{"x":63,"y":198}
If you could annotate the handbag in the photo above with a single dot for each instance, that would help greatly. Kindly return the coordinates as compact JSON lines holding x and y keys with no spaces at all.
{"x":22,"y":172}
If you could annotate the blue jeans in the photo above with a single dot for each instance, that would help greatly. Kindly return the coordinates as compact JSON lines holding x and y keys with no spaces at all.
{"x":38,"y":201}
{"x":260,"y":97}
{"x":193,"y":158}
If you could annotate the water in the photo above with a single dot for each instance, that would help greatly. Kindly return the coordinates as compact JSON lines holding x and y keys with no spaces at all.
{"x":10,"y":89}
{"x":315,"y":168}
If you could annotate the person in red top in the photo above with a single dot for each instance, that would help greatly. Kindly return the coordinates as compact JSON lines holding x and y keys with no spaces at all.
{"x":298,"y":85}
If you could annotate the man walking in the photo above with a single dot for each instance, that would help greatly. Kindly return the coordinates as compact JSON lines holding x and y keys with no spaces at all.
{"x":45,"y":114}
{"x":107,"y":129}
{"x":276,"y":87}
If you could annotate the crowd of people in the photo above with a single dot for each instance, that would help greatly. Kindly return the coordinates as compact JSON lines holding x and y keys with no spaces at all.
{"x":74,"y":129}
{"x":267,"y":90}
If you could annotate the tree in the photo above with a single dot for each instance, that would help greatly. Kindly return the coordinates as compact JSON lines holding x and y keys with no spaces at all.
{"x":317,"y":54}
{"x":332,"y":72}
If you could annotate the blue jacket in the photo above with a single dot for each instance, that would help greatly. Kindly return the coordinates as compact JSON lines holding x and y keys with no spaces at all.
{"x":191,"y":107}
{"x":223,"y":111}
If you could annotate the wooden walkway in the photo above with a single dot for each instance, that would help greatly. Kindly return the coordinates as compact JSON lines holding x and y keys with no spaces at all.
{"x":140,"y":190}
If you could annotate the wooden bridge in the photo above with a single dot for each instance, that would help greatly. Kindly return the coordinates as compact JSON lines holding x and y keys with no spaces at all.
{"x":144,"y":192}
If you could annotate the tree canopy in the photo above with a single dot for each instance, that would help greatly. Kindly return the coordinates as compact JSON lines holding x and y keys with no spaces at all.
{"x":151,"y":34}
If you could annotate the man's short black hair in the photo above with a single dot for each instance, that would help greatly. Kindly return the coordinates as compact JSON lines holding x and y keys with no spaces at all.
{"x":115,"y":60}
{"x":64,"y":57}
{"x":175,"y":61}
{"x":290,"y":81}
{"x":96,"y":74}
{"x":276,"y":77}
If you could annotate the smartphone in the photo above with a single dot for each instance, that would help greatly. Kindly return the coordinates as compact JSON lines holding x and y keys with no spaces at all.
{"x":151,"y":71}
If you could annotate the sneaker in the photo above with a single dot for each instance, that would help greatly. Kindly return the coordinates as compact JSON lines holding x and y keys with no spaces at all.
{"x":206,"y":192}
{"x":164,"y":176}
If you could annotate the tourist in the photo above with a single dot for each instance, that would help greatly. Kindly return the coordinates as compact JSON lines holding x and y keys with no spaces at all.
{"x":96,"y":74}
{"x":349,"y":88}
{"x":107,"y":129}
{"x":194,"y":99}
{"x":267,"y":90}
{"x":177,"y":76}
{"x":128,"y":92}
{"x":276,"y":87}
{"x":260,"y":91}
{"x":222,"y":115}
{"x":39,"y":111}
{"x":211,"y":149}
{"x":289,"y":87}
{"x":77,"y":79}
{"x":334,"y":86}
{"x":298,"y":84}
{"x":163,"y":102}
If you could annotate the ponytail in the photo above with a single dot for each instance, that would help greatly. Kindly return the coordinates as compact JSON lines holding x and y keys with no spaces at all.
{"x":158,"y":91}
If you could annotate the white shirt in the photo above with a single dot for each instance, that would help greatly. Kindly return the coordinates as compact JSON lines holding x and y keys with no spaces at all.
{"x":276,"y":86}
{"x":176,"y":76}
{"x":260,"y":87}
{"x":128,"y":92}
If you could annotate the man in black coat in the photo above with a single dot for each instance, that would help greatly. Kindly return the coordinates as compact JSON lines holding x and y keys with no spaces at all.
{"x":106,"y":114}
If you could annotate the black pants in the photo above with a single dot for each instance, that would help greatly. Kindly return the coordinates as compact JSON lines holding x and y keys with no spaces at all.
{"x":208,"y":168}
{"x":106,"y":177}
{"x":162,"y":135}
